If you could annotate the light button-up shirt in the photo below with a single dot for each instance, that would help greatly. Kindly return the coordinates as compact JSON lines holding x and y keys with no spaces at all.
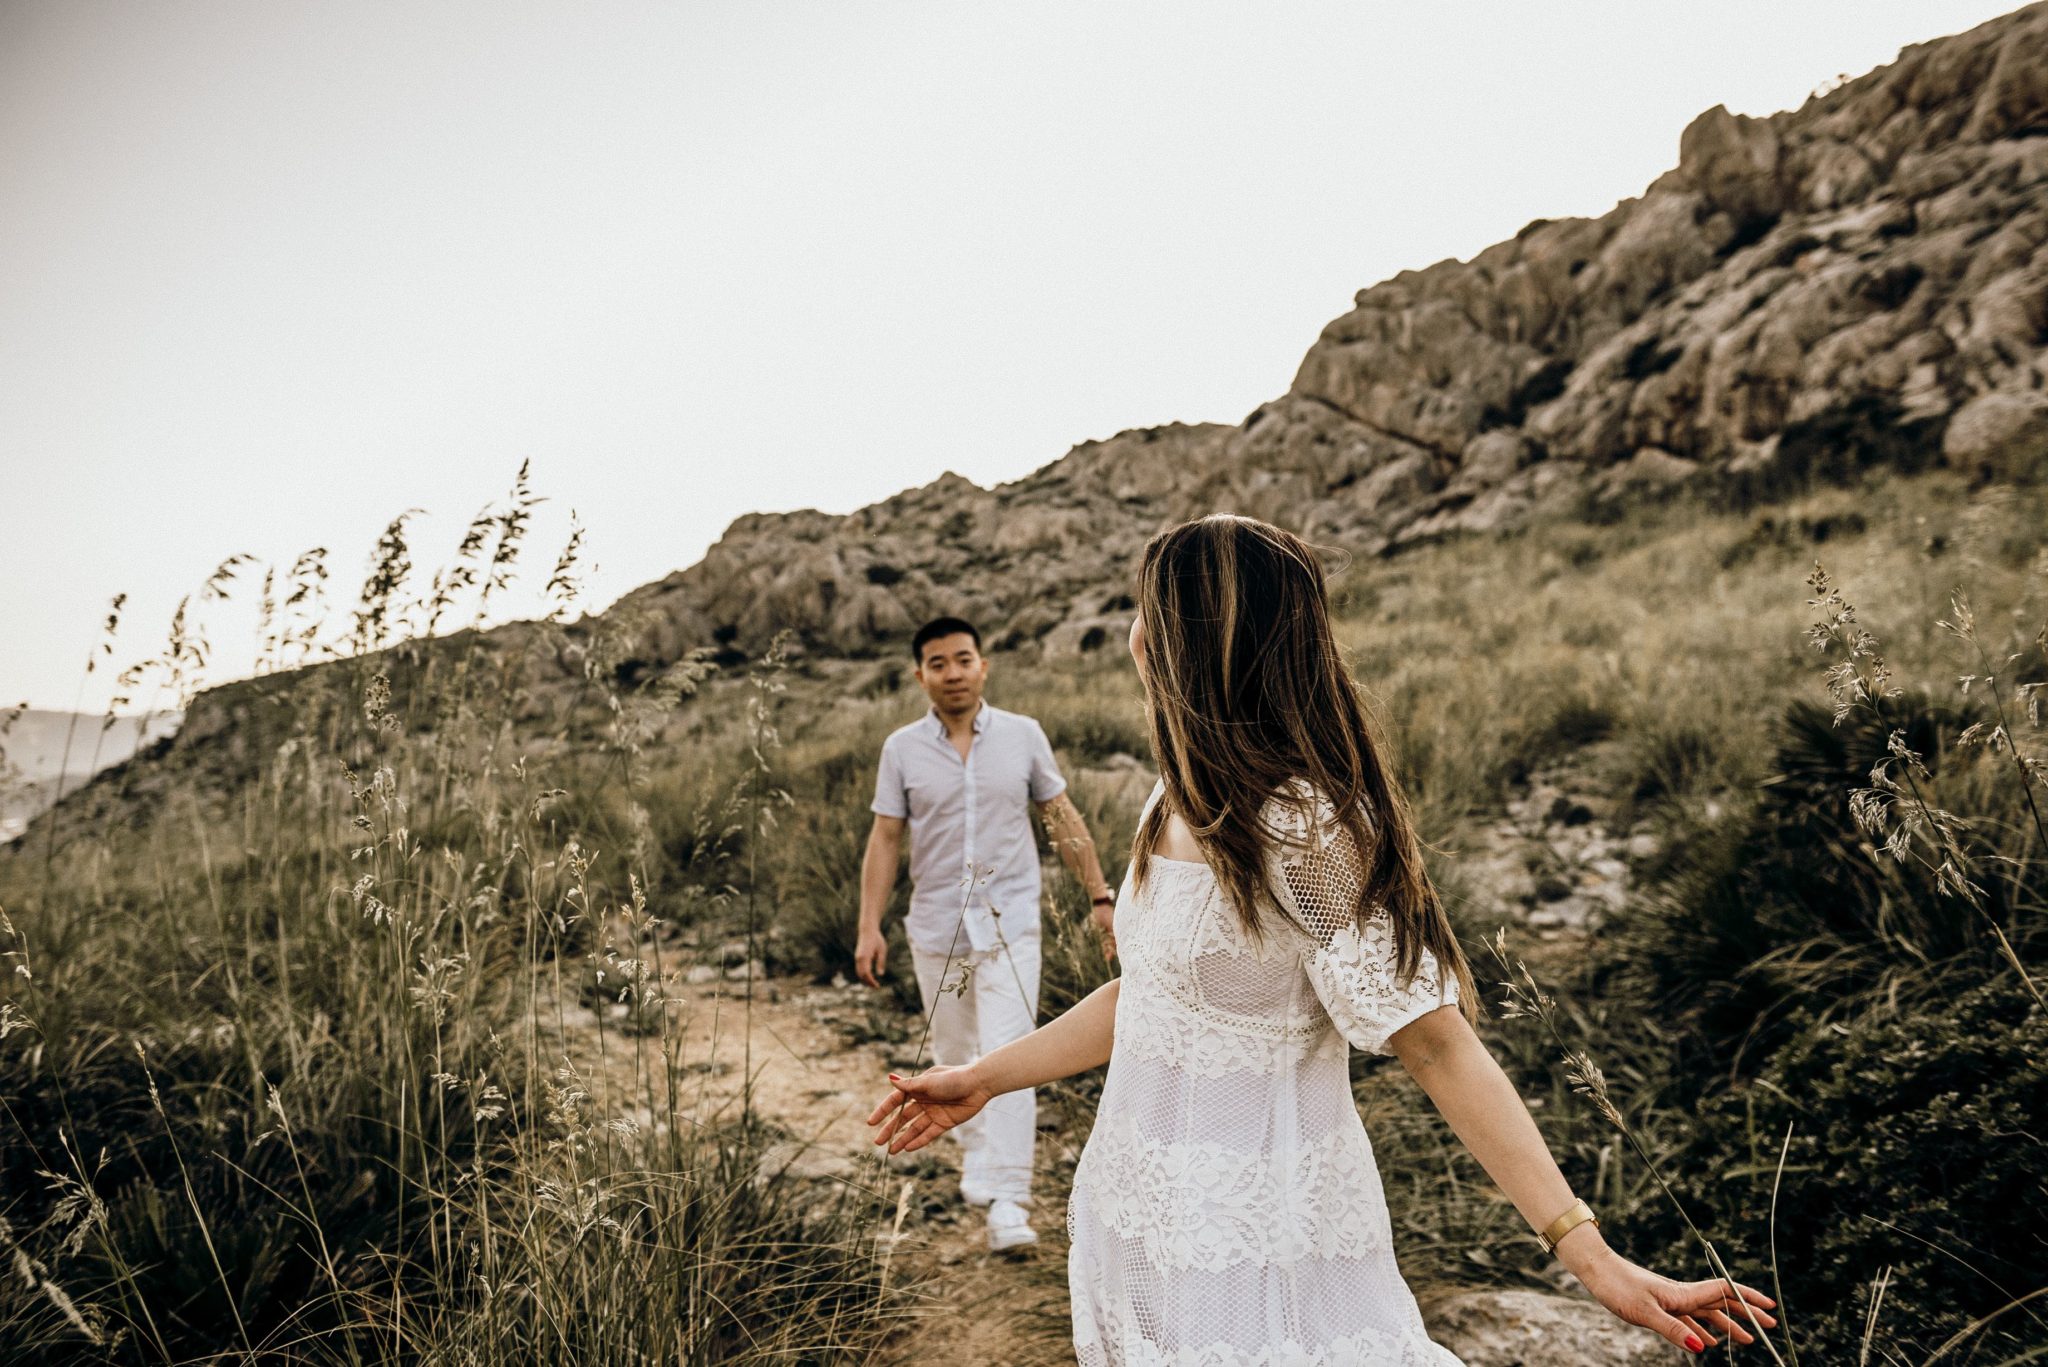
{"x":972,"y":851}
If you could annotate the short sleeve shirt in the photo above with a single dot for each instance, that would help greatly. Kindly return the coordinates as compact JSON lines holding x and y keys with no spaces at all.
{"x":973,"y":856}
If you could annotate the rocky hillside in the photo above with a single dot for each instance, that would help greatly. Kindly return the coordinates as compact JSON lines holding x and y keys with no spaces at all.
{"x":1862,"y":281}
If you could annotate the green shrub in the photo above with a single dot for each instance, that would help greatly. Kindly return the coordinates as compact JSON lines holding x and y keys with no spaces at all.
{"x":1554,"y":726}
{"x":1664,"y":761}
{"x":1789,"y":902}
{"x":1093,"y":733}
{"x":1918,"y":1145}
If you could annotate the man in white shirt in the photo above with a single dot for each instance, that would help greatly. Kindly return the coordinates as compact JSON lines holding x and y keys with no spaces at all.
{"x":966,"y":778}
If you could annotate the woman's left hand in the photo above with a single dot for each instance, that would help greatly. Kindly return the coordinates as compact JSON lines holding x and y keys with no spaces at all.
{"x":1679,"y":1311}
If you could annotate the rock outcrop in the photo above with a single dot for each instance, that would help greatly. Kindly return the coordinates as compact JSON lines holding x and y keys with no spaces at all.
{"x":1536,"y":1329}
{"x":1861,"y":281}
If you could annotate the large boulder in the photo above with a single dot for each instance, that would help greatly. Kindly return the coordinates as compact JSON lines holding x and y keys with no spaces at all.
{"x":2000,"y":436}
{"x":1734,"y":162}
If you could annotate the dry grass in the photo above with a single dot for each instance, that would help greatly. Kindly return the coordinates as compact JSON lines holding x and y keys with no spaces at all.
{"x":287,"y":1073}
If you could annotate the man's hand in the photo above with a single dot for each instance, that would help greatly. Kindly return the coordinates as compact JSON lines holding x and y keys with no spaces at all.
{"x":1103,"y":917}
{"x":877,"y":877}
{"x":871,"y":956}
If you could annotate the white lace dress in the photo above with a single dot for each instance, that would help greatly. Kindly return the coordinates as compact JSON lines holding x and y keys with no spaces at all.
{"x":1227,"y":1210}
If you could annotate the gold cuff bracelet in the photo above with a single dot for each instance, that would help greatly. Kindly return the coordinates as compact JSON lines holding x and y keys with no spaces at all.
{"x":1576,"y":1214}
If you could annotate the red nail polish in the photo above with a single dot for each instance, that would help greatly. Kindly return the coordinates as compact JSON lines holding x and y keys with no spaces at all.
{"x":1692,"y":1341}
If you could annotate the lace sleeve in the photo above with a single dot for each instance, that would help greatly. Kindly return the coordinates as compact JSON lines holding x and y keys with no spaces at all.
{"x":1320,"y":879}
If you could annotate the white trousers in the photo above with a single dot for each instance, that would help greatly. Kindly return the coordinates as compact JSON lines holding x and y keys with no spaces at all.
{"x":999,"y":1004}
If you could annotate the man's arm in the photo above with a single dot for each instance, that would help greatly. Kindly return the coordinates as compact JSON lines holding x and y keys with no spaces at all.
{"x":877,"y":881}
{"x":1069,"y":835}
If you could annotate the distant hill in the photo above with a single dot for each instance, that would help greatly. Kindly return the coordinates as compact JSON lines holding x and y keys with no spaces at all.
{"x":34,"y":766}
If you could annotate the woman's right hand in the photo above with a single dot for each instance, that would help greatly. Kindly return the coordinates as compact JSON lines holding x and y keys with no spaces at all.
{"x":920,"y":1109}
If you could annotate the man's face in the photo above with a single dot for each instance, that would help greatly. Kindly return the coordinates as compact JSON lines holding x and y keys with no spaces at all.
{"x":953,"y":672}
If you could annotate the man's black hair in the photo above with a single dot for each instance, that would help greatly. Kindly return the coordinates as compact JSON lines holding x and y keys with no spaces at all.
{"x":937,"y":627}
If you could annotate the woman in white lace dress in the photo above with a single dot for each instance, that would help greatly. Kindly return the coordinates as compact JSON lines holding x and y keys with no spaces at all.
{"x":1227,"y":1210}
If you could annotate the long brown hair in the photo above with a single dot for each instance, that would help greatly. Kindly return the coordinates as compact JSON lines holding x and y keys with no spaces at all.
{"x":1246,"y":691}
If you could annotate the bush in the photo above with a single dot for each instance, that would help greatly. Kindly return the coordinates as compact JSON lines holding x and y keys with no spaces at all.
{"x":1662,"y":762}
{"x":1091,"y":733}
{"x":1555,"y":726}
{"x":1789,"y":902}
{"x":1853,"y":959}
{"x":1917,"y":1144}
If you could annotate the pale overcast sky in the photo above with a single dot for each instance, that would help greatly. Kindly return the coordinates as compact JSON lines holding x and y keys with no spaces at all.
{"x":272,"y":272}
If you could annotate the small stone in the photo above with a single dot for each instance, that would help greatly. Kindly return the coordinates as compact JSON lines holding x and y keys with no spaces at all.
{"x":1612,"y":896}
{"x":1643,"y":845}
{"x":701,"y":973}
{"x":1566,"y":811}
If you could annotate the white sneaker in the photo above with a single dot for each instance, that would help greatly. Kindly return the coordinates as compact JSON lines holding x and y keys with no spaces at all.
{"x":1009,"y":1227}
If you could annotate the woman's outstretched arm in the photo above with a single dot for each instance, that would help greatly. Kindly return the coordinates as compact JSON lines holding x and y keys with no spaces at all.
{"x":920,"y":1109}
{"x":1482,"y":1107}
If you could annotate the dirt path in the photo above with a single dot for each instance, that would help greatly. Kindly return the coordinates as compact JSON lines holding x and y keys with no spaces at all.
{"x":817,"y":1069}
